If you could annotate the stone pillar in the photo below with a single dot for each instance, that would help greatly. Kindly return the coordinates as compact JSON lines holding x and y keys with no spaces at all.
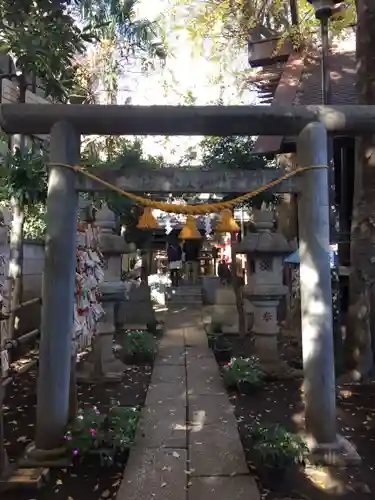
{"x":58,"y":292}
{"x":224,"y":311}
{"x":316,"y":295}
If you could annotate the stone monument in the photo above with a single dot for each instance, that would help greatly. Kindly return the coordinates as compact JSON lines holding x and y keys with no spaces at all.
{"x":265,"y":251}
{"x":136,"y":311}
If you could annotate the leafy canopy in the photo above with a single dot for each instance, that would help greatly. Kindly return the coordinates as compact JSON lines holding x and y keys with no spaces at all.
{"x":43,"y":40}
{"x":120,"y":152}
{"x":228,"y":22}
{"x":23,"y":176}
{"x":235,"y":152}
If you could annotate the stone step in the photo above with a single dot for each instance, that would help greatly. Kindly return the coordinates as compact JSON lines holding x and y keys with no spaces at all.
{"x":182,"y":301}
{"x":185,"y":299}
{"x":183,"y":290}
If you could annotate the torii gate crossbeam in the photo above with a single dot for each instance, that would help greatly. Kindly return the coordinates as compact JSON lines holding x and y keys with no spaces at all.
{"x":184,"y":120}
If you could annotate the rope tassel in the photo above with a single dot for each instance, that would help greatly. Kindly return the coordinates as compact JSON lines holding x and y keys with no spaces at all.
{"x":147,"y":220}
{"x":190,"y":230}
{"x":227,"y":224}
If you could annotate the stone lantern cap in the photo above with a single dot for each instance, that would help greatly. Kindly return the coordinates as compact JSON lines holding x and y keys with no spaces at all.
{"x":111,"y":244}
{"x":264,"y":241}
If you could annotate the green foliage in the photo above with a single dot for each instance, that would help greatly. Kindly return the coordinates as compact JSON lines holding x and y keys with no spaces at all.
{"x":226,"y":23}
{"x":104,"y":433}
{"x":121,"y":39}
{"x":276,"y":447}
{"x":43,"y":41}
{"x":231,"y":152}
{"x":140,"y":344}
{"x":244,"y":370}
{"x":118,"y":21}
{"x":23,"y":176}
{"x":35,"y":221}
{"x":234,"y":152}
{"x":120,"y":152}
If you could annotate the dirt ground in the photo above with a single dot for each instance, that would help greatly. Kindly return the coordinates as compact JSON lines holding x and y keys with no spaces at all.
{"x":280,"y":402}
{"x":81,"y":482}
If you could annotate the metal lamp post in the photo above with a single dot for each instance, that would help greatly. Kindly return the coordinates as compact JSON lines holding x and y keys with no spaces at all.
{"x":324,"y":9}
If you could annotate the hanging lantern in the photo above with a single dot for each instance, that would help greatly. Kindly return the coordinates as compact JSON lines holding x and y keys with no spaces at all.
{"x":190,"y":230}
{"x":147,"y":220}
{"x":227,"y":224}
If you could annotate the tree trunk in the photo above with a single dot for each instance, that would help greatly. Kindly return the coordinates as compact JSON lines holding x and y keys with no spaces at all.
{"x":358,"y":345}
{"x":15,"y":261}
{"x":16,"y":234}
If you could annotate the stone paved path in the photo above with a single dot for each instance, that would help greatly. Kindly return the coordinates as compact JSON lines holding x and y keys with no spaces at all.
{"x":188,"y":447}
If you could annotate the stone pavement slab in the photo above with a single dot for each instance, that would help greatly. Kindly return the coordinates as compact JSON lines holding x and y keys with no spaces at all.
{"x":171,"y":355}
{"x":195,"y":336}
{"x":203,"y":377}
{"x":163,"y":426}
{"x":206,"y":410}
{"x":216,"y":450}
{"x":154,"y":474}
{"x":188,"y":446}
{"x":226,"y":488}
{"x":168,"y":374}
{"x":172,"y":338}
{"x":166,"y":394}
{"x":197,"y":352}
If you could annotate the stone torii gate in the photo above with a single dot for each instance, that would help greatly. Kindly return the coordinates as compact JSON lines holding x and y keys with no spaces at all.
{"x":65,"y":124}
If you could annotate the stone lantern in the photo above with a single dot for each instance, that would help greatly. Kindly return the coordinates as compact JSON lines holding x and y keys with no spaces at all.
{"x":265,"y":251}
{"x":113,"y":291}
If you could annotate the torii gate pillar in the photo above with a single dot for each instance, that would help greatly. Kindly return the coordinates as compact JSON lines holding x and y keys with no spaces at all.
{"x":316,"y":300}
{"x":58,"y":293}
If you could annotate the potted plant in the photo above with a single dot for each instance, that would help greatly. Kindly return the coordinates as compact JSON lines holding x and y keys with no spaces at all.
{"x":243,"y":373}
{"x":102,"y":435}
{"x":277,"y":451}
{"x":228,"y":375}
{"x":139,"y":347}
{"x":222,"y":349}
{"x":250,"y":375}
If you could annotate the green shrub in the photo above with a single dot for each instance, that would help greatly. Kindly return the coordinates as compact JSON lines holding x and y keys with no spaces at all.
{"x":104,"y":433}
{"x":277,"y":447}
{"x":140,"y":343}
{"x":244,"y":370}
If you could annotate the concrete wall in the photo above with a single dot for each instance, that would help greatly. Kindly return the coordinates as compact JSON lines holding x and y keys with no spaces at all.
{"x":33,"y":265}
